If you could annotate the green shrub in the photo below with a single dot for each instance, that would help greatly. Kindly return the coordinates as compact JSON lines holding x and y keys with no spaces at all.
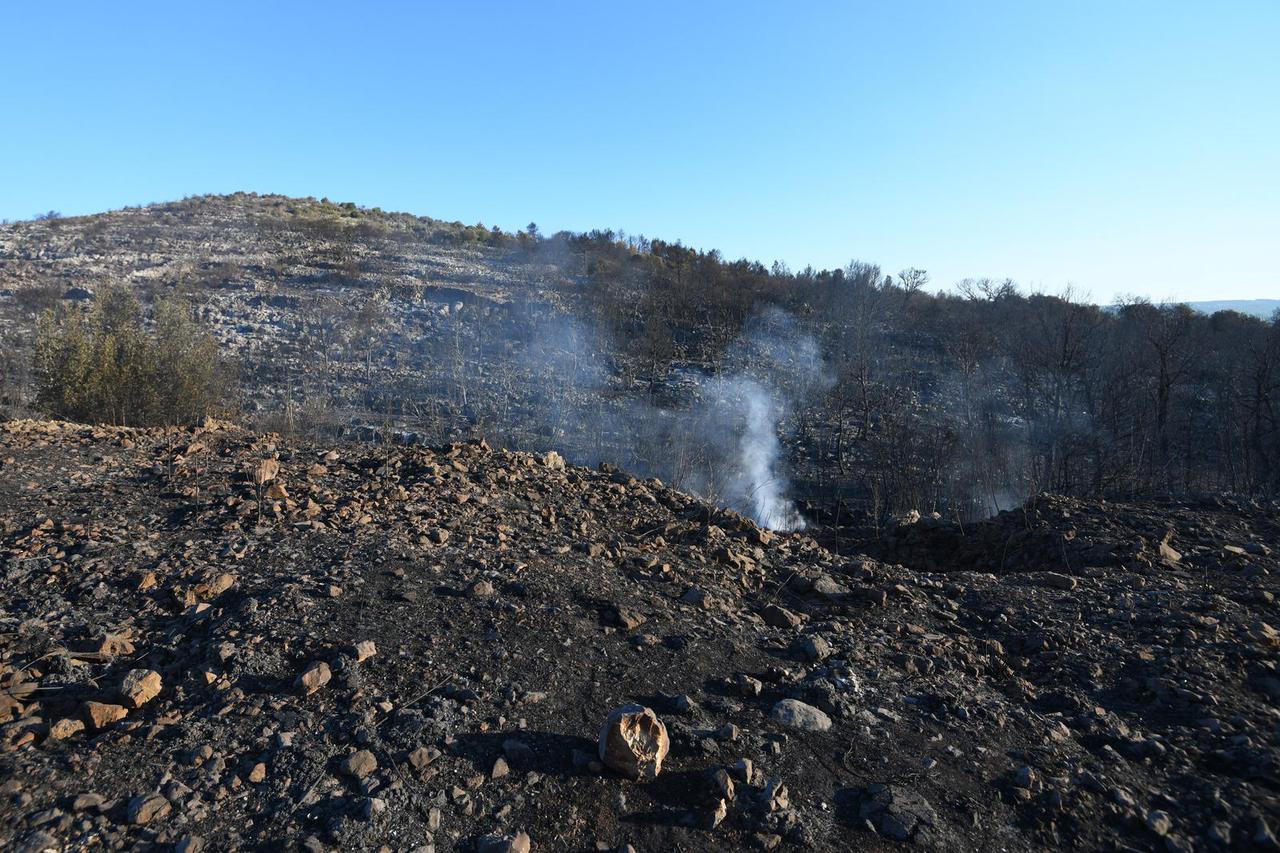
{"x":106,"y":366}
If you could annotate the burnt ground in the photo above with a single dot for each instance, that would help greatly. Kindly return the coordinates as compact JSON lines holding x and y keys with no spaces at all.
{"x":1079,"y":675}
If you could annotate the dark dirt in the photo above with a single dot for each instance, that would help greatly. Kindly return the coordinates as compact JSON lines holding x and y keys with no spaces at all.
{"x":1083,"y":675}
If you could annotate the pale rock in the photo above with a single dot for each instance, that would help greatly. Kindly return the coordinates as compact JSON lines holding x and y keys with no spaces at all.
{"x":799,"y":715}
{"x":634,"y":742}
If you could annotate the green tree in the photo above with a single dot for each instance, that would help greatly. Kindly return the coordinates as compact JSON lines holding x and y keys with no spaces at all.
{"x":107,"y":366}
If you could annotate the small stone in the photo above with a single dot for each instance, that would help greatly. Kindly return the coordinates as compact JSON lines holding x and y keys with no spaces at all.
{"x":265,"y":472}
{"x":101,"y":714}
{"x":65,"y":728}
{"x":774,"y":797}
{"x":780,"y":617}
{"x":1263,"y":837}
{"x":85,"y":802}
{"x":189,"y":844}
{"x":713,"y":817}
{"x":1159,"y":822}
{"x":365,"y":649}
{"x":517,"y":752}
{"x":500,"y":769}
{"x":517,"y":843}
{"x":697,"y":597}
{"x":722,"y":784}
{"x":140,"y":686}
{"x":258,"y":773}
{"x":1024,"y":777}
{"x":117,"y":645}
{"x":813,"y":647}
{"x":359,"y":764}
{"x":144,"y":809}
{"x":627,"y":619}
{"x":480,"y":589}
{"x":799,"y":715}
{"x":898,"y":813}
{"x":828,"y":586}
{"x":372,"y":807}
{"x":315,"y":676}
{"x":36,"y":841}
{"x":421,"y":758}
{"x":1055,"y":580}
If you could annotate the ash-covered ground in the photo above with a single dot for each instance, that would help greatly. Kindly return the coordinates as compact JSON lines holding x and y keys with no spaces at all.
{"x":219,"y":639}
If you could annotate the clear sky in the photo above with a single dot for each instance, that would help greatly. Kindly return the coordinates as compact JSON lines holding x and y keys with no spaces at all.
{"x":1124,"y":146}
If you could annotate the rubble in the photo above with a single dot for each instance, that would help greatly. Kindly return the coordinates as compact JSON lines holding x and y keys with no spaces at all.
{"x":1047,"y":679}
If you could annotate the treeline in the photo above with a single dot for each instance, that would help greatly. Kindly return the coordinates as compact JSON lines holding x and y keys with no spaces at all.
{"x":968,"y":401}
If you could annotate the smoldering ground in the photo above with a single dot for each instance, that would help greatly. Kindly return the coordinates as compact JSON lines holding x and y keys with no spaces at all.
{"x":715,"y":430}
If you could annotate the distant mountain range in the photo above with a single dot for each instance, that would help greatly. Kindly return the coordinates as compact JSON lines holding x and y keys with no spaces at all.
{"x":1263,"y":308}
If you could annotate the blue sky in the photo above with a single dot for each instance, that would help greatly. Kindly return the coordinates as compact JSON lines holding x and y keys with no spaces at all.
{"x":1123,"y":147}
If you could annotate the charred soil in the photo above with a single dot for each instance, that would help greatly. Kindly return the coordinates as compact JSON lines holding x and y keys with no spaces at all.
{"x":217,"y":638}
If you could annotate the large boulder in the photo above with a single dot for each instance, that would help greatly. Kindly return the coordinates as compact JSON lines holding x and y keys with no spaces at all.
{"x":899,"y":813}
{"x":633,"y":742}
{"x":797,"y":715}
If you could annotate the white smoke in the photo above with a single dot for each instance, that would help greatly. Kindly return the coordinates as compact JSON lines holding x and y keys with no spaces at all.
{"x":714,"y":430}
{"x":755,"y":482}
{"x":772,"y":367}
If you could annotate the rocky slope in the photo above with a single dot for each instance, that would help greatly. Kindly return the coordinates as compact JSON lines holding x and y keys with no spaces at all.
{"x":216,"y":639}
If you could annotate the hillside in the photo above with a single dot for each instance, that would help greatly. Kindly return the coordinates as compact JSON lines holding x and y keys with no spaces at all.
{"x":222,"y":639}
{"x":847,"y":395}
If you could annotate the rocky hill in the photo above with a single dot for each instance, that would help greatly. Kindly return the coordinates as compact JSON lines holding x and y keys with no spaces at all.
{"x":219,"y":639}
{"x":882,"y":397}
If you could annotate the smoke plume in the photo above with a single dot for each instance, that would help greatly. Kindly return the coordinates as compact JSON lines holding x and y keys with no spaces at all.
{"x":712,"y":429}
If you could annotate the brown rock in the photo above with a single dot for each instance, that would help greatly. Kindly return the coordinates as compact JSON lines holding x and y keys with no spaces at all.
{"x":140,"y":687}
{"x":99,"y":715}
{"x":265,"y":472}
{"x":219,"y":584}
{"x":315,"y":676}
{"x":421,"y":758}
{"x":626,"y":618}
{"x":117,"y":645}
{"x":633,"y":742}
{"x":780,"y":617}
{"x":146,"y":808}
{"x":360,"y":764}
{"x":365,"y":649}
{"x":65,"y":728}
